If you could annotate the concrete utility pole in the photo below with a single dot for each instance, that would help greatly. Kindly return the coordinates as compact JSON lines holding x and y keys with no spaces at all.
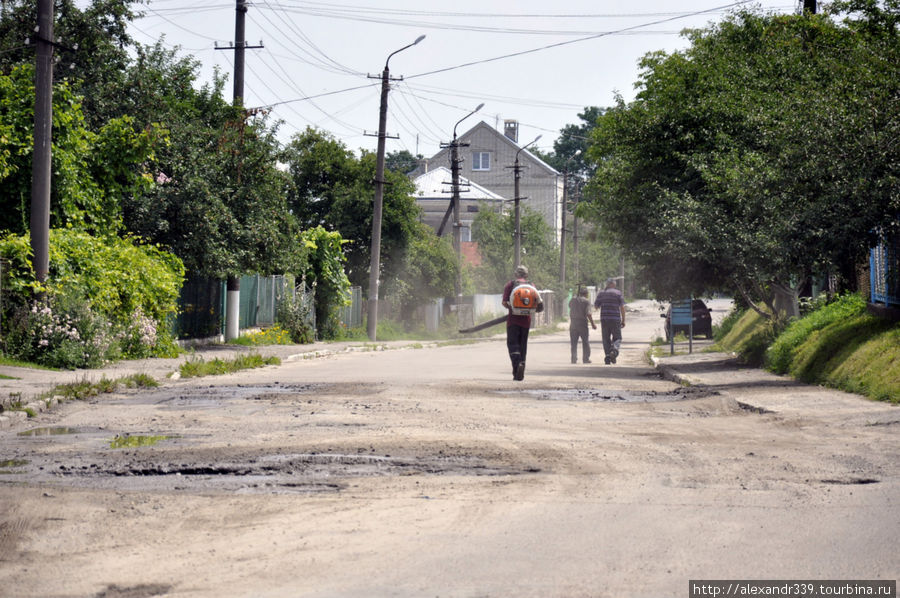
{"x":375,"y":251}
{"x":517,"y":174}
{"x":454,"y":175}
{"x":233,"y":285}
{"x":565,"y":208}
{"x":43,"y":140}
{"x":575,"y":237}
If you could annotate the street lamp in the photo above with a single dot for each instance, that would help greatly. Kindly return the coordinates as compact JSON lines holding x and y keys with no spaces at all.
{"x":565,"y":207}
{"x":375,"y":258}
{"x":517,"y":173}
{"x":457,"y":232}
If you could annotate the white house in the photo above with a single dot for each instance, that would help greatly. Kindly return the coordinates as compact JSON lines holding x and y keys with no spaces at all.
{"x":434,"y":193}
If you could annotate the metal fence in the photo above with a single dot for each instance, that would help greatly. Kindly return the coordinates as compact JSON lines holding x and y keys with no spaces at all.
{"x":201,"y":305}
{"x":884,"y":272}
{"x":351,"y":315}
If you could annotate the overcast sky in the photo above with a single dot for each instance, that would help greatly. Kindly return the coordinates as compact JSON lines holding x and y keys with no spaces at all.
{"x":533,"y":61}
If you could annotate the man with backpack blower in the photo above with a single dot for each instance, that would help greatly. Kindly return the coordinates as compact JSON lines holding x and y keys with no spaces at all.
{"x":522,"y":300}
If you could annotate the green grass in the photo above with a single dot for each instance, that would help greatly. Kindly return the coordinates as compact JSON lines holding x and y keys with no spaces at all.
{"x":194,"y":368}
{"x":24,"y":364}
{"x":839,"y":345}
{"x":749,"y":337}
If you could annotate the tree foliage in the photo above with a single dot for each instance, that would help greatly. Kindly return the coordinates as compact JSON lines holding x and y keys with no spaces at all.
{"x":758,"y":157}
{"x":218,"y":198}
{"x":323,"y":259}
{"x":495,"y":235}
{"x":91,"y":169}
{"x":333,"y":188}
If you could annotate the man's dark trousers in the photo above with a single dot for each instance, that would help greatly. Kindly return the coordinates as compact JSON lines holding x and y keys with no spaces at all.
{"x":517,"y":343}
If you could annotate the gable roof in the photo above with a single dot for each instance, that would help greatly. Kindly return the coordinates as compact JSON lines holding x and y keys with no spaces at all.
{"x":442,"y":155}
{"x":435,"y":184}
{"x":483,"y":126}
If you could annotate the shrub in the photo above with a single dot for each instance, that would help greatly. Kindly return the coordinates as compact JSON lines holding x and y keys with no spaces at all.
{"x":61,"y":334}
{"x":293,"y":315}
{"x":117,"y":293}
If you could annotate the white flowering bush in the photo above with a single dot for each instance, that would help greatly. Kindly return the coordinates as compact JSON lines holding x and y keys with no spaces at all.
{"x":139,"y":337}
{"x":65,"y":335}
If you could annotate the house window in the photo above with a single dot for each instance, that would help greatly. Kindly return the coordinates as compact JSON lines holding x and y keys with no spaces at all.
{"x":481,"y":160}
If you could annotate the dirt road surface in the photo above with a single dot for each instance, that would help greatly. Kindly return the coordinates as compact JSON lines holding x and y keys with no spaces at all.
{"x":428,"y":471}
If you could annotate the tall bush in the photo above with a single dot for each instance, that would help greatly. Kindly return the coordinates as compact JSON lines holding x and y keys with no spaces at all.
{"x":105,"y":297}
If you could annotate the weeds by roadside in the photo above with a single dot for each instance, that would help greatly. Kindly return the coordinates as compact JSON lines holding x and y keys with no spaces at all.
{"x":83,"y":389}
{"x":194,"y":368}
{"x":274,"y":335}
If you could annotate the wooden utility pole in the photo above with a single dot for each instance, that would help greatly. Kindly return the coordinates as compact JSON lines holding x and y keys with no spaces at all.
{"x":378,"y":205}
{"x":43,"y":139}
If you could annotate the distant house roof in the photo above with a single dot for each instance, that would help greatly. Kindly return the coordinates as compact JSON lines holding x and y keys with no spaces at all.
{"x":442,"y":155}
{"x":435,"y":184}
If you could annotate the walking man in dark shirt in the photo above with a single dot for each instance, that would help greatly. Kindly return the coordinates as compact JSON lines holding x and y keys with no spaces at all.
{"x":612,"y":319}
{"x":579,"y":315}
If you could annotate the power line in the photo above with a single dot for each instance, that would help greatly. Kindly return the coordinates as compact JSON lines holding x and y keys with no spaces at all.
{"x":575,"y":41}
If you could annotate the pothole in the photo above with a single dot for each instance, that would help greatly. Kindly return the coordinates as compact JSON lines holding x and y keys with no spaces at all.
{"x":753,"y":408}
{"x":309,"y":472}
{"x":850,"y":481}
{"x":213,"y":397}
{"x":615,"y":396}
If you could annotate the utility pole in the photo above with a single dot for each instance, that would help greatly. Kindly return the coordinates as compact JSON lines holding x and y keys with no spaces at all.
{"x":575,"y":237}
{"x":375,"y":251}
{"x":455,"y":161}
{"x":517,"y":174}
{"x":43,"y":139}
{"x":233,"y":285}
{"x":565,"y":208}
{"x":562,"y":237}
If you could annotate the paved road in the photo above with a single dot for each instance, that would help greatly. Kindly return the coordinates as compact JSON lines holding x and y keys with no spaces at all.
{"x":429,"y":472}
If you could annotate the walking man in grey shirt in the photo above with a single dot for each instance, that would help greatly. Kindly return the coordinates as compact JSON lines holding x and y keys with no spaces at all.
{"x":579,"y":315}
{"x":612,"y":319}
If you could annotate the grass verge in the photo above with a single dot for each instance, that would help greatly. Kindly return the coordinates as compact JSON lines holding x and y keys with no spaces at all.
{"x":839,"y":345}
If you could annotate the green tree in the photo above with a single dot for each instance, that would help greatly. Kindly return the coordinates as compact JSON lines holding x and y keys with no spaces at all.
{"x":495,"y":235}
{"x":428,"y":271}
{"x":714,"y":175}
{"x":402,"y":162}
{"x":218,"y":198}
{"x":321,"y":168}
{"x":570,"y":148}
{"x":332,"y":188}
{"x":92,"y":55}
{"x":91,"y":170}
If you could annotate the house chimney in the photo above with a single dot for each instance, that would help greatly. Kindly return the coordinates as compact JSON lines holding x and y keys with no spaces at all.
{"x":511,"y":130}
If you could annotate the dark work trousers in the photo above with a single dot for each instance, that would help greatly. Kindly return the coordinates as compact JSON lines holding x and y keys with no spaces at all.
{"x":517,"y":343}
{"x":611,"y":331}
{"x":580,"y":331}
